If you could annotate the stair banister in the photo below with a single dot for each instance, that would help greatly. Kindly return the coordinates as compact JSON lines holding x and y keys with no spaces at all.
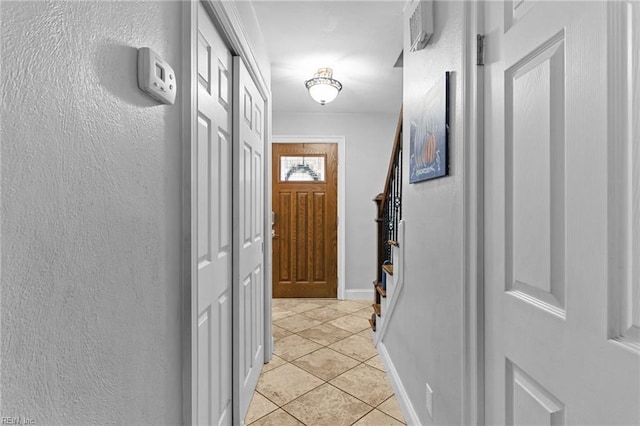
{"x":389,"y":213}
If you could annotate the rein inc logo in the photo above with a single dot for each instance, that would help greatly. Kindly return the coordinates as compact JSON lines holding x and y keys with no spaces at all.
{"x":17,"y":420}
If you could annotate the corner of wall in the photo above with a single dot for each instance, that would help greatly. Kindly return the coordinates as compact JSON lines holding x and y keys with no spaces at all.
{"x":432,"y":303}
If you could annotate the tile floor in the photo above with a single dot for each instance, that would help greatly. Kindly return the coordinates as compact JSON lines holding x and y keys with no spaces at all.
{"x":325,"y":370}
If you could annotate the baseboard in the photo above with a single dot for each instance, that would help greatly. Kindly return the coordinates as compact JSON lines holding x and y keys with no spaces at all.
{"x":359,"y":294}
{"x":406,"y":407}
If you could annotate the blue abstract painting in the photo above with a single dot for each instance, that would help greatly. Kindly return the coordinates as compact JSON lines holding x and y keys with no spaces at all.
{"x":429,"y":135}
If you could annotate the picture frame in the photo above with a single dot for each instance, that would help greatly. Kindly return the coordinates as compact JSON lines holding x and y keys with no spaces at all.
{"x":429,"y":134}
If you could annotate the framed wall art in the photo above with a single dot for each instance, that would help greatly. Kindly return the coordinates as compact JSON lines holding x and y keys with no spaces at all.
{"x":429,"y":134}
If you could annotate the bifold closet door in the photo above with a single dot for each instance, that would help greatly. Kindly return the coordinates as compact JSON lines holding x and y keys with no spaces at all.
{"x":249,"y":128}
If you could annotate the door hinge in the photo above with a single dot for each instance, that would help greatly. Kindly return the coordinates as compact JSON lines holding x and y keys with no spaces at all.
{"x":479,"y":50}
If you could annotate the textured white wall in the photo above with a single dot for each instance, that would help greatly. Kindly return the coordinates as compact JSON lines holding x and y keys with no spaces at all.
{"x":90,"y":216}
{"x":425,"y":335}
{"x":368,"y":143}
{"x":253,"y":32}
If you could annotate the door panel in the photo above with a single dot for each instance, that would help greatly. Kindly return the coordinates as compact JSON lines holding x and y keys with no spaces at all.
{"x":213,"y":207}
{"x":305,"y":228}
{"x":549,"y":357}
{"x":249,"y":250}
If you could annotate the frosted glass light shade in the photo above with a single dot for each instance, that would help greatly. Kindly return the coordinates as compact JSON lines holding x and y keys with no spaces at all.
{"x":322,"y":87}
{"x":323,"y":93}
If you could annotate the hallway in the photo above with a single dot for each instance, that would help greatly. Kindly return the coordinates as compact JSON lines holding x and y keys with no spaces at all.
{"x":325,"y":369}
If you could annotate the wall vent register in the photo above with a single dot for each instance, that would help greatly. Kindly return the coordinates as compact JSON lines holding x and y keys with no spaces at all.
{"x":420,"y":24}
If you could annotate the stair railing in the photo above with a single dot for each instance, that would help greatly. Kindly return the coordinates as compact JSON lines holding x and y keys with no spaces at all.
{"x":389,"y":207}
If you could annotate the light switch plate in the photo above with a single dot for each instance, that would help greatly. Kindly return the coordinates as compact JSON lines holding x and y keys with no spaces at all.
{"x":429,"y":401}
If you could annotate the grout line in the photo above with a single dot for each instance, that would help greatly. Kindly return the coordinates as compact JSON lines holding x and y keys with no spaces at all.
{"x":363,"y":416}
{"x":389,"y":414}
{"x":265,"y":415}
{"x":353,"y":396}
{"x":359,"y":399}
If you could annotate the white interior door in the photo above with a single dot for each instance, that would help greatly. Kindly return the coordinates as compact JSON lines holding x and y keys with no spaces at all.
{"x":248,"y":334}
{"x":553,"y":355}
{"x":213,"y":344}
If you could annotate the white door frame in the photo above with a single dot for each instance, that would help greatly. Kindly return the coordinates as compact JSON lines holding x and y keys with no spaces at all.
{"x":226,"y":17}
{"x":339,"y":140}
{"x":472,"y":79}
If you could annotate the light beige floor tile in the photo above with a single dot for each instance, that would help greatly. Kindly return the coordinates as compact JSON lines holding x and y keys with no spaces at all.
{"x":325,"y":363}
{"x":302,"y":306}
{"x":294,"y":346}
{"x":366,"y":334}
{"x":283,"y":302}
{"x":276,"y":316}
{"x":279,"y":332}
{"x":278,"y":313}
{"x":391,"y":407}
{"x":377,"y":418}
{"x":356,"y":347}
{"x":286,"y":383}
{"x":349,"y":306}
{"x":325,"y":313}
{"x":351,"y":323}
{"x":322,"y":302}
{"x":303,"y":394}
{"x":327,"y":405}
{"x":259,"y":407}
{"x":324,"y":334}
{"x":275,"y":362}
{"x":364,"y":313}
{"x":277,"y":418}
{"x":365,"y":383}
{"x":376,"y":362}
{"x":296,"y":323}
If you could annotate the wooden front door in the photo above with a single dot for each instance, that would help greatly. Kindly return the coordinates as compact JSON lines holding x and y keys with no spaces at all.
{"x":305,"y":228}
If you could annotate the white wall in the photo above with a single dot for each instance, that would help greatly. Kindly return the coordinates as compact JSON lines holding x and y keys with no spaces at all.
{"x":425,"y":335}
{"x":90,"y":216}
{"x":368,"y":143}
{"x":253,"y":32}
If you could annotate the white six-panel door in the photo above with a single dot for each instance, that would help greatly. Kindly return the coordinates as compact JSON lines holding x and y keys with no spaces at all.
{"x":249,"y":128}
{"x":213,"y":340}
{"x":554,"y":286}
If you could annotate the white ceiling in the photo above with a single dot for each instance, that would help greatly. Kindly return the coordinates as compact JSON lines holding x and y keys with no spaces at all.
{"x":360,"y":40}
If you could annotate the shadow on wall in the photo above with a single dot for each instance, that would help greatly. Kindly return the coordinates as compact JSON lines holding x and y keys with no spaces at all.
{"x":116,"y":66}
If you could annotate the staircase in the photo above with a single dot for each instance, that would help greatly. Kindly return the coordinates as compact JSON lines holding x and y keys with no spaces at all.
{"x":388,"y":220}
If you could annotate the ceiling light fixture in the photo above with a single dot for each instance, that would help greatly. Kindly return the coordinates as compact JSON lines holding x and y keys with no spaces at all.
{"x":323,"y":88}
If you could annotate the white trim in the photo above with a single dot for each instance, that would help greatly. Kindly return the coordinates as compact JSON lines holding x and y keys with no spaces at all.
{"x":472,"y":78}
{"x":226,"y":15}
{"x":340,"y":140}
{"x":268,"y":243}
{"x":189,"y":219}
{"x":410,"y":415}
{"x":621,"y":328}
{"x":359,"y":294}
